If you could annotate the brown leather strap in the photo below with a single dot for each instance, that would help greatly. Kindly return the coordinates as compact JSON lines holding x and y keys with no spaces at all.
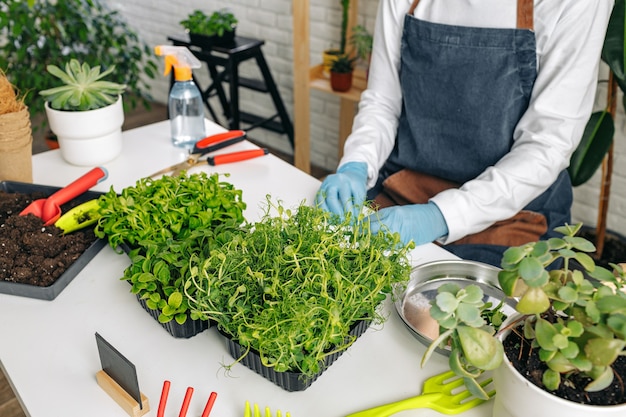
{"x":525,"y":9}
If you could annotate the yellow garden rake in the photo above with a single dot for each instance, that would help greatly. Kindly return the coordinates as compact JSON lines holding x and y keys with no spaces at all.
{"x":438,"y":394}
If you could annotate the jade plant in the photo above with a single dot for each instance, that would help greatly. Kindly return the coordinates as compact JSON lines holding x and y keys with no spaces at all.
{"x":84,"y":87}
{"x":292,"y":285}
{"x":571,"y":310}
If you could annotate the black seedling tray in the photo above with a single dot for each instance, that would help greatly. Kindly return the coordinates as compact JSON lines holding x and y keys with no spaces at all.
{"x":289,"y":381}
{"x":52,"y":291}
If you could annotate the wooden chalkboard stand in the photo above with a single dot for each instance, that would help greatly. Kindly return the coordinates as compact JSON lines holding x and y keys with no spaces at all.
{"x":128,"y":403}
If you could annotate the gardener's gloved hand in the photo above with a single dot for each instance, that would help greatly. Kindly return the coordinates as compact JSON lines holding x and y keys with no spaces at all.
{"x":344,"y":191}
{"x":422,"y":223}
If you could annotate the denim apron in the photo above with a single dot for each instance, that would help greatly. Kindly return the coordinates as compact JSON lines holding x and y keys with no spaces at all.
{"x":464,"y":91}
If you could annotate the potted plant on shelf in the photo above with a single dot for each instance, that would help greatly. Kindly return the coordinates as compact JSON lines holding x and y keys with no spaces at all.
{"x":329,"y":55}
{"x":362,"y":41}
{"x":341,"y":71}
{"x":161,"y":224}
{"x":38,"y":33}
{"x":218,"y":29}
{"x":296,"y":289}
{"x":85,"y":113}
{"x":564,"y":353}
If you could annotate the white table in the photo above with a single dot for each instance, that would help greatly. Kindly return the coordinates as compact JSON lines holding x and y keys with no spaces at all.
{"x":48,"y":348}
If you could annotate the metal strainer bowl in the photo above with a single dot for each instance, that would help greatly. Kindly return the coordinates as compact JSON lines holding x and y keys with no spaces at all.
{"x":413,"y":304}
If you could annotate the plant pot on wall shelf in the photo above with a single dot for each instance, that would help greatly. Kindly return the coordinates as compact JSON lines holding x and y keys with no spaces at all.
{"x":340,"y":81}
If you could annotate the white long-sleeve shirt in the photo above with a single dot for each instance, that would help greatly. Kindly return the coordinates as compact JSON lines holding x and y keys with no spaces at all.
{"x":569,"y":35}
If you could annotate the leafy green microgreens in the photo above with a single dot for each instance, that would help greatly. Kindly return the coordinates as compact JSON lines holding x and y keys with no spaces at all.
{"x":165,"y":222}
{"x":167,"y":209}
{"x":578,"y":324}
{"x":461,"y":314}
{"x":293,"y":285}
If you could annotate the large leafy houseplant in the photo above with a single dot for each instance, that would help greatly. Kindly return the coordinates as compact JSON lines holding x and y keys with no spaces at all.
{"x":574,"y":315}
{"x":38,"y":33}
{"x":292,"y":286}
{"x":596,"y":146}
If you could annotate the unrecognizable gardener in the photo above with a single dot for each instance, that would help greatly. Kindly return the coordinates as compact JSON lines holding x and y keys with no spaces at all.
{"x":472,"y":112}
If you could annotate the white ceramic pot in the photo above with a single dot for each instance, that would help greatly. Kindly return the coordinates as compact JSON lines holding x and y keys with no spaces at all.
{"x":88,"y":138}
{"x":518,"y":397}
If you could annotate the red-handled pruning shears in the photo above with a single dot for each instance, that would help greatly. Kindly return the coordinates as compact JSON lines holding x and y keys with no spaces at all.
{"x":186,"y":401}
{"x":202,"y":147}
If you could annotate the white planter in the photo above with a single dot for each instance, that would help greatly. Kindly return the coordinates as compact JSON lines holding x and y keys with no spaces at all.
{"x":517,"y":397}
{"x":88,"y":138}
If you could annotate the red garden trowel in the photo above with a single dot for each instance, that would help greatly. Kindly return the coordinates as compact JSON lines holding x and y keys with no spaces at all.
{"x":49,"y":209}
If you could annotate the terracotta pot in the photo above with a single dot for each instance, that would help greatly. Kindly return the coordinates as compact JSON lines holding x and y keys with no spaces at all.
{"x":340,"y":81}
{"x":88,"y":138}
{"x":516,"y":397}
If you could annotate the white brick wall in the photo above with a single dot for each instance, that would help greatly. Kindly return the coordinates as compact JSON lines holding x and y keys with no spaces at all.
{"x":271,"y":20}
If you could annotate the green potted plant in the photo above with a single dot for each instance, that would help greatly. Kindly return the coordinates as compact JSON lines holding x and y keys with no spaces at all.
{"x":341,"y":71}
{"x":218,"y":29}
{"x":296,"y":289}
{"x":362,"y":41}
{"x":85,"y":112}
{"x":571,"y":323}
{"x":595,"y":148}
{"x":161,"y":223}
{"x":35,"y":34}
{"x":330,"y":54}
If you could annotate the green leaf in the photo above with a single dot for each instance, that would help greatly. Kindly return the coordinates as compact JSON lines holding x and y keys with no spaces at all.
{"x":601,"y":381}
{"x":533,"y":273}
{"x":446,"y":302}
{"x":595,"y":143}
{"x":508,"y":280}
{"x":603,"y":352}
{"x":480,"y":348}
{"x":534,"y":301}
{"x":551,"y":380}
{"x":545,"y":333}
{"x":175,"y":300}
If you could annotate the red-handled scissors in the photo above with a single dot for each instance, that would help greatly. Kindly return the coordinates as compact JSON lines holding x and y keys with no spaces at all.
{"x":202,"y":147}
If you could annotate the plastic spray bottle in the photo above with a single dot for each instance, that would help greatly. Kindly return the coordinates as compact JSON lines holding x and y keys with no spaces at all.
{"x":186,"y":109}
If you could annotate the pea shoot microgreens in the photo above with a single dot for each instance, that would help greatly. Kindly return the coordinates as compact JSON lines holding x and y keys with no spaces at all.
{"x":292,"y":285}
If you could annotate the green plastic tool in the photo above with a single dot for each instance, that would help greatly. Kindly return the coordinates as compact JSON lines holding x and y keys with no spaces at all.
{"x":439,"y":394}
{"x":80,"y":216}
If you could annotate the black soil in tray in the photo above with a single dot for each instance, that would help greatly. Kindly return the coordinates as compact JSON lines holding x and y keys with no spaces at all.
{"x":31,"y":253}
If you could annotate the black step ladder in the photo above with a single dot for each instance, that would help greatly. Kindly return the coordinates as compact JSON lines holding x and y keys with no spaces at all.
{"x":223,"y":64}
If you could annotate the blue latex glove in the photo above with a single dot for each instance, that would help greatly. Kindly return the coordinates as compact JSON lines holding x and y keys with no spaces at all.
{"x":344,"y":191}
{"x":422,"y":223}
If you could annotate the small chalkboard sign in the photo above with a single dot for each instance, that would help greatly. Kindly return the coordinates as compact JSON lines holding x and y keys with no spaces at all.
{"x":123,"y":373}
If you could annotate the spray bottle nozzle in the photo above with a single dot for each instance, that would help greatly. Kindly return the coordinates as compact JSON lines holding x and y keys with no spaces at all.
{"x":180,"y":58}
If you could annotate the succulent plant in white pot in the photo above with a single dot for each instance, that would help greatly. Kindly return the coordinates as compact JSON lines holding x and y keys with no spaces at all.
{"x":563,"y":352}
{"x":85,"y":113}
